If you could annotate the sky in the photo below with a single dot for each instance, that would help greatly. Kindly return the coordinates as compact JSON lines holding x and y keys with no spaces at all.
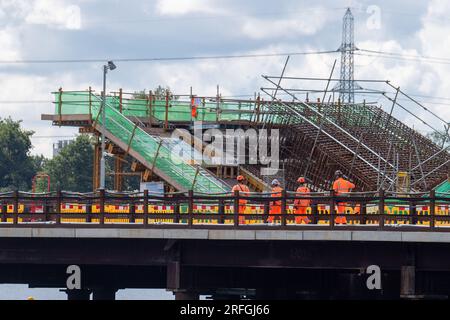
{"x":112,"y":29}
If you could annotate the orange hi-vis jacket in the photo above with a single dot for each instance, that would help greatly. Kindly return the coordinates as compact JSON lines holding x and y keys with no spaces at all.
{"x":275,"y":206}
{"x":243,"y":189}
{"x":342,"y":186}
{"x":276,"y":192}
{"x":193,"y":108}
{"x":303,"y":203}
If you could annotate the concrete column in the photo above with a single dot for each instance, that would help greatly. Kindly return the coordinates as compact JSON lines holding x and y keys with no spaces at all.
{"x":407,"y":282}
{"x":104,"y":294}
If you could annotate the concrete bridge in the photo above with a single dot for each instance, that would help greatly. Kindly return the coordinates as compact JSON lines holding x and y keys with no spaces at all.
{"x":255,"y":262}
{"x":117,"y":241}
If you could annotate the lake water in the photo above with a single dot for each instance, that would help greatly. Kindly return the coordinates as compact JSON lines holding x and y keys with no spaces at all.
{"x":22,"y":292}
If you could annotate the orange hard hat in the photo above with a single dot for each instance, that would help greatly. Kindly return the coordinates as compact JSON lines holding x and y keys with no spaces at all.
{"x":301,"y":180}
{"x":240,"y":178}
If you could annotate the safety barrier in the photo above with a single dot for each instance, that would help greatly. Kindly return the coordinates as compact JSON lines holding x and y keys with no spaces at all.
{"x":378,"y":209}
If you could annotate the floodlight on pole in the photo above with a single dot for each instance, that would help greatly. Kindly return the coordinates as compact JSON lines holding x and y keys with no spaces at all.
{"x":111,"y":66}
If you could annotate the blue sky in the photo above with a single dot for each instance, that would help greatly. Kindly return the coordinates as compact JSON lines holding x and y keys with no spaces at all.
{"x":100,"y":29}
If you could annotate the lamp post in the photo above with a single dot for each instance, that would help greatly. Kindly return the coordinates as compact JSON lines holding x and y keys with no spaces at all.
{"x":111,"y":66}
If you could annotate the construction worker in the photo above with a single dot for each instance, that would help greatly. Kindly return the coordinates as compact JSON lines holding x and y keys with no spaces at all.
{"x":301,"y":205}
{"x":193,"y":108}
{"x":275,"y":206}
{"x":341,"y":186}
{"x":243,"y":191}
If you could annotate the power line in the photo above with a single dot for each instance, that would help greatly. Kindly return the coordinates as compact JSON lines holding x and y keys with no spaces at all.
{"x":402,"y":56}
{"x":239,"y":56}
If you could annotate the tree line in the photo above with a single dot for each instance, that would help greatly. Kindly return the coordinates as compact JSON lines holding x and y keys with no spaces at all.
{"x":70,"y":170}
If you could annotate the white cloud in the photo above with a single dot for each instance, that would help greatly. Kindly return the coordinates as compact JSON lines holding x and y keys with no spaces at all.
{"x":412,"y":77}
{"x":182,"y":7}
{"x":434,"y":40}
{"x":9,"y":44}
{"x":305,"y":22}
{"x":20,"y":87}
{"x":236,"y":76}
{"x":54,"y":13}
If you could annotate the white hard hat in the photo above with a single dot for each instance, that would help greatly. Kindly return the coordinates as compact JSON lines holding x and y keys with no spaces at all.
{"x":275,"y":182}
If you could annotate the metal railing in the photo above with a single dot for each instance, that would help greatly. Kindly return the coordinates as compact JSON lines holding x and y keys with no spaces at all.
{"x":290,"y":210}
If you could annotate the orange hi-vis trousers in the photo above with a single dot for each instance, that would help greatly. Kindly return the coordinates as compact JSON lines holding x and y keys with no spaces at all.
{"x":301,"y":219}
{"x":341,"y":210}
{"x":274,"y":209}
{"x":242,"y":209}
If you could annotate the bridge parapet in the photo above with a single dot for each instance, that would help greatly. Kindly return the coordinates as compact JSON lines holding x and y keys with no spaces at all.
{"x":325,"y":209}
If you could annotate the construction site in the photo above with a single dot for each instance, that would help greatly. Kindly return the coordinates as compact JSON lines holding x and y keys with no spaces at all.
{"x":320,"y":131}
{"x":189,"y":231}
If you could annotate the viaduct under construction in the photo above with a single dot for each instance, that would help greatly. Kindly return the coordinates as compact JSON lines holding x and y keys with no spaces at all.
{"x":189,"y":238}
{"x":317,"y":136}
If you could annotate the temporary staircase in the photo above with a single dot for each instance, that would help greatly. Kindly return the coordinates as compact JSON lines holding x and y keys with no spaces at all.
{"x":151,"y":151}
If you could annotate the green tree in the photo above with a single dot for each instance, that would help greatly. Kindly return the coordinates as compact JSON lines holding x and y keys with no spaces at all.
{"x":159,"y":93}
{"x":17,"y":167}
{"x":72,"y":168}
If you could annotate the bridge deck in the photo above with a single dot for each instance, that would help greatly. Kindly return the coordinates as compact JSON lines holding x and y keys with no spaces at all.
{"x":314,"y":234}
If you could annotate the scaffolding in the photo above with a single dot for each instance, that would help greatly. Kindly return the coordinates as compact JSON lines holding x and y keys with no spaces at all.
{"x":362,"y":140}
{"x":370,"y":145}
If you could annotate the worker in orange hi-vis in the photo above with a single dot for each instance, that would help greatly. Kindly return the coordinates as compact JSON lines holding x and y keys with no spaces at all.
{"x":193,"y":108}
{"x":243,"y":191}
{"x":275,"y":206}
{"x":301,"y":205}
{"x":340,"y":187}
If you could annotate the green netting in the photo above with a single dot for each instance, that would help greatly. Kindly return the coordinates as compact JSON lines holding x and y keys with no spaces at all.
{"x":122,"y":128}
{"x":80,"y":102}
{"x":181,"y":110}
{"x":443,"y":188}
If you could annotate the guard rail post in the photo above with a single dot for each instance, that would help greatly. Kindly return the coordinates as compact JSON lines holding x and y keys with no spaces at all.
{"x":381,"y":208}
{"x":45,"y":208}
{"x":176,"y":209}
{"x":57,"y":208}
{"x":432,"y":208}
{"x":221,"y":211}
{"x":102,"y":206}
{"x":314,"y":213}
{"x":145,"y":209}
{"x":266,"y":211}
{"x":236,"y":208}
{"x":190,"y":207}
{"x":363,"y":212}
{"x":16,"y":207}
{"x":89,"y":210}
{"x":4,"y":211}
{"x":332,"y":208}
{"x":132,"y":211}
{"x":413,"y":212}
{"x":283,"y":208}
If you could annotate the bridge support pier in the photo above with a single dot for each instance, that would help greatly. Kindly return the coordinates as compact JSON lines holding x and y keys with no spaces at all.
{"x":81,"y":294}
{"x":104,"y":294}
{"x":408,"y":282}
{"x":186,"y":295}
